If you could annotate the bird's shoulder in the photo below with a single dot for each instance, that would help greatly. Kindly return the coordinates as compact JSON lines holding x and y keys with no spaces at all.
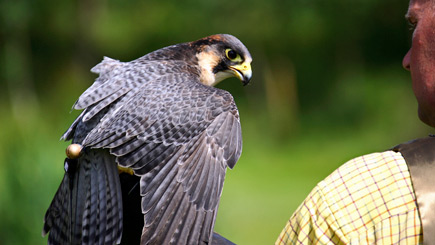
{"x":129,"y":93}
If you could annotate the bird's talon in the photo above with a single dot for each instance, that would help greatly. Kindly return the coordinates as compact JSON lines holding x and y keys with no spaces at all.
{"x":125,"y":170}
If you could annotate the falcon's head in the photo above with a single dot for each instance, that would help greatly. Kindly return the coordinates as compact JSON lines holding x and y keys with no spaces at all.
{"x":222,"y":56}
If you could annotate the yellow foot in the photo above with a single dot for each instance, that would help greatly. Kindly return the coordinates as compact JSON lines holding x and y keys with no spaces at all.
{"x":125,"y":170}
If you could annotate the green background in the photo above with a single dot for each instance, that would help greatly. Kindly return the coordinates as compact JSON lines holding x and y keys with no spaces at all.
{"x":327,"y":86}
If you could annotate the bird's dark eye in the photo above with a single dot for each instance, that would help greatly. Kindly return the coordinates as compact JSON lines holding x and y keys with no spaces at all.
{"x":232,"y":55}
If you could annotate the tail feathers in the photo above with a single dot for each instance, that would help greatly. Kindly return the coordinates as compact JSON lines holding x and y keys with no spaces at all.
{"x":87,"y":208}
{"x":220,"y":240}
{"x":57,"y":220}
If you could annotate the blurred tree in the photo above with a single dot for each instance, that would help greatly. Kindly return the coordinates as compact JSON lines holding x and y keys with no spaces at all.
{"x":16,"y":60}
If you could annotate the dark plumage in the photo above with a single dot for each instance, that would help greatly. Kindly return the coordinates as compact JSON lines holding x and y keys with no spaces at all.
{"x":159,"y":116}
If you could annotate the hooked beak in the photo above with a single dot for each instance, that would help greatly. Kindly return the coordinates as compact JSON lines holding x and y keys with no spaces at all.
{"x":243,"y":72}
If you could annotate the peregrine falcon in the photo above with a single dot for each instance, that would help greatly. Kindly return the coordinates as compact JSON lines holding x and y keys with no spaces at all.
{"x":160,"y":118}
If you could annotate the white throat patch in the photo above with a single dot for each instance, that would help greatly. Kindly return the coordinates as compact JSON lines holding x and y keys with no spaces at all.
{"x":207,"y":60}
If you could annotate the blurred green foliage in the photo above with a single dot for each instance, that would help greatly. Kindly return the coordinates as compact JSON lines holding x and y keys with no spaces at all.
{"x":328,"y":86}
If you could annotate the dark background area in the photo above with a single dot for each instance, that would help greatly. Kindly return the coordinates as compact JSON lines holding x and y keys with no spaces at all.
{"x":327,"y":86}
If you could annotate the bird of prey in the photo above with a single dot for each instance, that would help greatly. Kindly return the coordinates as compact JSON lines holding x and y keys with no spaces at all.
{"x":160,"y":118}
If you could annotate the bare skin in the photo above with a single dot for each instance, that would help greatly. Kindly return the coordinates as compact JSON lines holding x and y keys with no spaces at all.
{"x":420,"y":59}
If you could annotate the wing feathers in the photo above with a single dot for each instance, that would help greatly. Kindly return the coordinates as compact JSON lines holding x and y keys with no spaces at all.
{"x":154,"y":158}
{"x":155,"y":183}
{"x":182,"y":234}
{"x":133,"y":157}
{"x":195,"y":230}
{"x":195,"y":175}
{"x":211,"y":199}
{"x":200,"y":188}
{"x":104,"y":102}
{"x":176,"y":133}
{"x":169,"y":220}
{"x":197,"y":156}
{"x":124,"y":145}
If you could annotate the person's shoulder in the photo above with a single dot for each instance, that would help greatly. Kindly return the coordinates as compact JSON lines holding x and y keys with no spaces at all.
{"x":371,"y":162}
{"x":417,"y":150}
{"x":362,"y":180}
{"x":365,"y":171}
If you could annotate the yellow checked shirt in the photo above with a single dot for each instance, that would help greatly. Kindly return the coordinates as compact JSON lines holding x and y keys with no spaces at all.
{"x":368,"y":200}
